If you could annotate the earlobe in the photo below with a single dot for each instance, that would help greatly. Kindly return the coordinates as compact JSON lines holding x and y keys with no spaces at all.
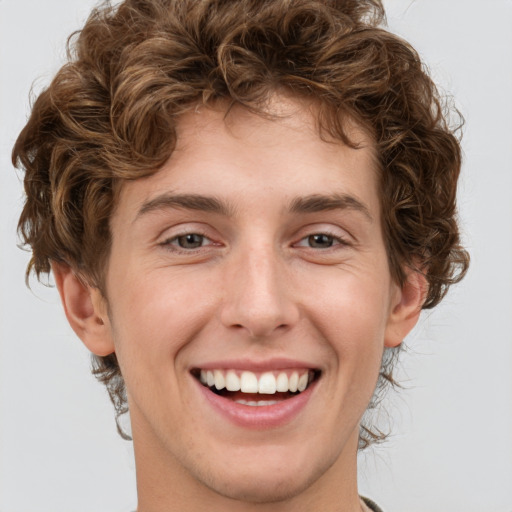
{"x":406,"y":308}
{"x":85,"y":309}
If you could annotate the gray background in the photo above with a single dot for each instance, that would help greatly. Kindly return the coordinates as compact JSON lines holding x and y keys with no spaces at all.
{"x":452,"y":445}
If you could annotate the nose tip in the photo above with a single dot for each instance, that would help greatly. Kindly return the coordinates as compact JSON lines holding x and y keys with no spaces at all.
{"x":259,"y":322}
{"x":259,"y":300}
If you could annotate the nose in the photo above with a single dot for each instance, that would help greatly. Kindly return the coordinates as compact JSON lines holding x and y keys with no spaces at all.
{"x":259,"y":298}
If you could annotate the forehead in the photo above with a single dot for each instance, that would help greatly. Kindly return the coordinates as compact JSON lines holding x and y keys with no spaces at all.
{"x":238,"y":154}
{"x":284,"y":121}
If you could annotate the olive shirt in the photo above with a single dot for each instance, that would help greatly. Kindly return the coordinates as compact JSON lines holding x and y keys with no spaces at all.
{"x":373,"y":506}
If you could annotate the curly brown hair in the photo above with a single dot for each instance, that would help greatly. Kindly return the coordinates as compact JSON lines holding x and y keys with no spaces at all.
{"x":110,"y":115}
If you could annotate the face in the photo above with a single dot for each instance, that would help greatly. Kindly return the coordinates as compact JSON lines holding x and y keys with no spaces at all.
{"x":249,"y":302}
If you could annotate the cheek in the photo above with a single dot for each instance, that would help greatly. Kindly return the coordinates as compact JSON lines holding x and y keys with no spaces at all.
{"x":349,"y":313}
{"x":348,"y":303}
{"x":158,"y":312}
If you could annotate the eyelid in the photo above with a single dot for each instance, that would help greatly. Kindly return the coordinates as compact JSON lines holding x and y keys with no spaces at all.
{"x":182,"y":229}
{"x":340,"y":235}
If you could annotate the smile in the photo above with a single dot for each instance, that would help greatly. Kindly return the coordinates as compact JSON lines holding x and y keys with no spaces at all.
{"x":256,"y":388}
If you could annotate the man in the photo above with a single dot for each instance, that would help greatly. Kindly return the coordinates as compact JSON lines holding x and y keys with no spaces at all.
{"x":245,"y":205}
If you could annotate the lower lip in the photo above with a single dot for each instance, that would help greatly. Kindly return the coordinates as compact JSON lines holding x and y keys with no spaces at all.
{"x":258,"y":417}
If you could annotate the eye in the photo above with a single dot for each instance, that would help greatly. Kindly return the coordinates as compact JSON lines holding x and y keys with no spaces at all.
{"x":188,"y":241}
{"x":320,"y":241}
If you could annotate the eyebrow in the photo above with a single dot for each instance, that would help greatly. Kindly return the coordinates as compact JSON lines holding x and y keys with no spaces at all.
{"x":307,"y":204}
{"x":186,"y":201}
{"x":319,"y":203}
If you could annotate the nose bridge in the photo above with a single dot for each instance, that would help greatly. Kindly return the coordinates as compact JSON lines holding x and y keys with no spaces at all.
{"x":258,"y":294}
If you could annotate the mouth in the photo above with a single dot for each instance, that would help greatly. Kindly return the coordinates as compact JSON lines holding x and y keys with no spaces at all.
{"x":256,"y":389}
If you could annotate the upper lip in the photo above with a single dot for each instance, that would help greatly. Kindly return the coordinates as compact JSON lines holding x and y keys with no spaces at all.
{"x":255,"y":365}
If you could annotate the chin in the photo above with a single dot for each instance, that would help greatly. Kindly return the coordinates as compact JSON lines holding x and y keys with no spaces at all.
{"x":265,"y":482}
{"x":266,"y":489}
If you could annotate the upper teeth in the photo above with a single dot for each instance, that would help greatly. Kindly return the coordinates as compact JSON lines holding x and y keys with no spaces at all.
{"x":248,"y":382}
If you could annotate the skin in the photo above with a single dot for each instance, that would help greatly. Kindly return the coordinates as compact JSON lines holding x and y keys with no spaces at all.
{"x":257,"y":287}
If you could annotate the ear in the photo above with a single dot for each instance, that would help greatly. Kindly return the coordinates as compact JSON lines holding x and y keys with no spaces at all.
{"x":406,"y":308}
{"x":86,"y":310}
